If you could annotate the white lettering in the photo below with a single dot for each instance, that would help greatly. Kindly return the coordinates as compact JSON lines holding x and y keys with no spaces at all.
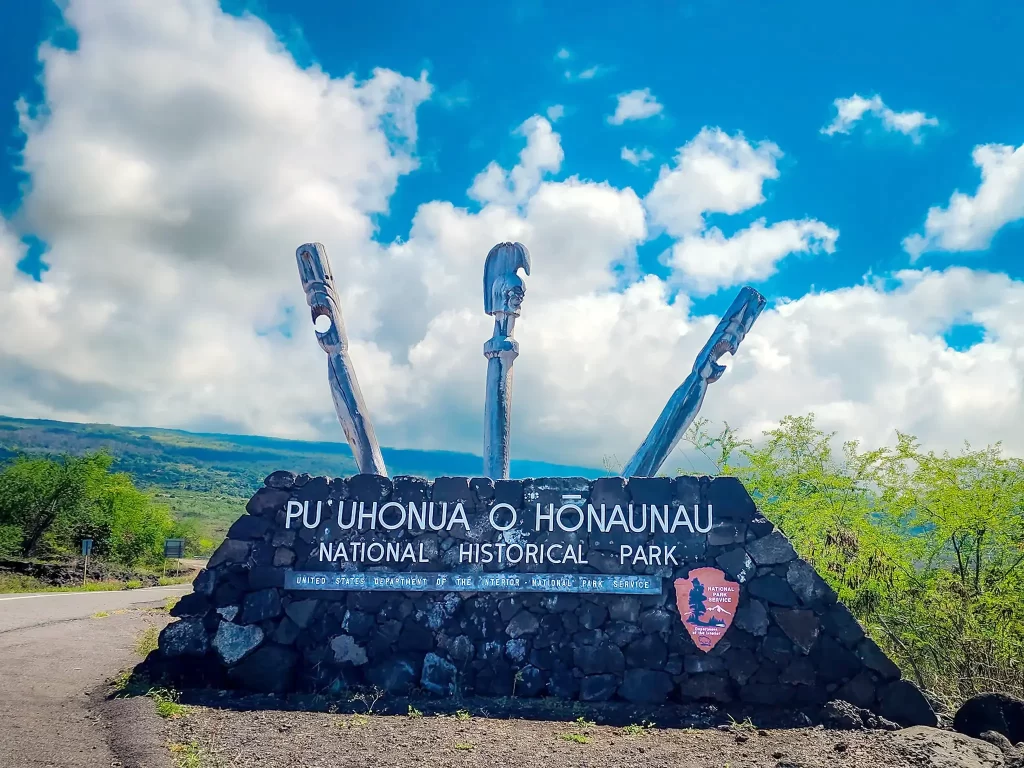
{"x":305,"y":514}
{"x":351,"y":518}
{"x":380,"y":550}
{"x":617,"y":518}
{"x":562,"y":525}
{"x":696,"y":519}
{"x":294,"y":511}
{"x":681,"y":518}
{"x":459,"y":516}
{"x":541,"y":517}
{"x":401,"y":519}
{"x":659,"y":516}
{"x":419,"y":515}
{"x":511,"y":522}
{"x":643,"y":520}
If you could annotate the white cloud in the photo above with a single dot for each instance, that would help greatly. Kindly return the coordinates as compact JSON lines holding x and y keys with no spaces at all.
{"x":181,"y":156}
{"x":586,"y":74}
{"x":635,"y":105}
{"x":563,"y":54}
{"x":851,"y":111}
{"x":710,"y":261}
{"x":555,"y":112}
{"x":713,"y":173}
{"x":969,"y":222}
{"x":636,"y":156}
{"x":719,"y":173}
{"x":542,"y":154}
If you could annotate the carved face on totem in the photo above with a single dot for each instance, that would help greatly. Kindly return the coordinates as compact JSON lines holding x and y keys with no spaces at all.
{"x":508,"y":294}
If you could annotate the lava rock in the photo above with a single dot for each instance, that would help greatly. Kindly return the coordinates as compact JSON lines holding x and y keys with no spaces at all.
{"x":774,"y":590}
{"x":301,"y":611}
{"x":991,"y":712}
{"x":281,"y":480}
{"x":649,"y":652}
{"x":840,"y":624}
{"x":874,"y":658}
{"x":407,"y":489}
{"x":808,"y":585}
{"x":597,"y":659}
{"x":622,"y":608}
{"x":650,"y":490}
{"x":859,"y":690}
{"x":205,"y":582}
{"x":183,"y":638}
{"x":737,"y":564}
{"x":801,"y":626}
{"x":192,"y":604}
{"x":645,"y":686}
{"x":286,"y":632}
{"x":265,"y":577}
{"x":234,"y":642}
{"x":772,"y":549}
{"x":902,"y":702}
{"x":598,"y":687}
{"x":656,"y":621}
{"x":621,"y":633}
{"x":799,"y":672}
{"x":529,"y":682}
{"x":707,"y":686}
{"x":439,"y":675}
{"x":348,"y":651}
{"x":563,"y":685}
{"x":267,"y":670}
{"x":260,"y":606}
{"x":752,"y":618}
{"x":592,"y":615}
{"x":266,"y":502}
{"x":939,"y":749}
{"x":842,"y":715}
{"x":509,"y":492}
{"x":523,"y":623}
{"x":249,"y":527}
{"x":230,"y":551}
{"x":730,"y":499}
{"x":396,"y":674}
{"x":369,"y":488}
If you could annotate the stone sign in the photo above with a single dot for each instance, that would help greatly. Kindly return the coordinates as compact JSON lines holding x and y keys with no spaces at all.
{"x":557,"y":587}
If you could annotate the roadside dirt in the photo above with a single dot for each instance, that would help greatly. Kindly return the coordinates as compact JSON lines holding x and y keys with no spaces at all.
{"x":226,"y":735}
{"x":53,"y":680}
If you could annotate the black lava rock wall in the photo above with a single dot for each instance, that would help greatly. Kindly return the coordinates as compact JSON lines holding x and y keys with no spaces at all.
{"x":790,"y":644}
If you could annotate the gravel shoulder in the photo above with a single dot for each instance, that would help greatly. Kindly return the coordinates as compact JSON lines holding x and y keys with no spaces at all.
{"x":226,"y":734}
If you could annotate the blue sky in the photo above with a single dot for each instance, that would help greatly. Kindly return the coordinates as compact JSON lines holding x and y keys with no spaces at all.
{"x":768,"y":72}
{"x":771,"y":71}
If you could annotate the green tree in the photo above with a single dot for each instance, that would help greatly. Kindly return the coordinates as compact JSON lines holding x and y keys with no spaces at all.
{"x":38,"y":495}
{"x":927,"y":549}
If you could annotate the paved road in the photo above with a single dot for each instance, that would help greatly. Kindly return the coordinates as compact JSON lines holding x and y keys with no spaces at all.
{"x":23,"y":611}
{"x":53,"y":654}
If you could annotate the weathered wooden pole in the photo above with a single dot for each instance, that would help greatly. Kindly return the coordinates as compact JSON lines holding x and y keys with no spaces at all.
{"x":686,"y":401}
{"x":504,"y":291}
{"x":318,"y":285}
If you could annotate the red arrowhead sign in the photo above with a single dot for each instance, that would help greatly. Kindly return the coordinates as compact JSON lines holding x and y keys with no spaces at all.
{"x":707,"y":604}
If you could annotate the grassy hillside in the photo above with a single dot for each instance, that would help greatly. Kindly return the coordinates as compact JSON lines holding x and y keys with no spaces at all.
{"x":209,"y":477}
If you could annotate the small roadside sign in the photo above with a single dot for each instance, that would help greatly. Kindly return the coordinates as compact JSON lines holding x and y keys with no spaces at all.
{"x":174,"y":548}
{"x":86,"y":550}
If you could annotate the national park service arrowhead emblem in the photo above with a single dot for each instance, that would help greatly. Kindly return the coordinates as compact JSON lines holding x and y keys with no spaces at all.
{"x":707,"y":604}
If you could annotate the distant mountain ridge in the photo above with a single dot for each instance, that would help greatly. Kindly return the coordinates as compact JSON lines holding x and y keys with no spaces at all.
{"x":235,"y":464}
